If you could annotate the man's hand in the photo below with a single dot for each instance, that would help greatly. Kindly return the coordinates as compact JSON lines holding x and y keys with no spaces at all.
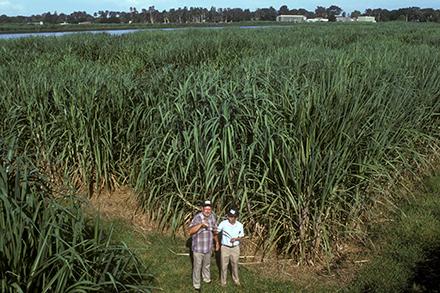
{"x":194,"y":229}
{"x":217,"y":246}
{"x":235,"y":239}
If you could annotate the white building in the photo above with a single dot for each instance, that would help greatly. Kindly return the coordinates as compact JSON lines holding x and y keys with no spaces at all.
{"x":317,"y":19}
{"x":343,"y":19}
{"x":291,"y":18}
{"x":36,"y":23}
{"x":366,"y":19}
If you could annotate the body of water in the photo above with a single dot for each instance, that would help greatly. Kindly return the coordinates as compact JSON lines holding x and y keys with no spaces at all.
{"x":59,"y":34}
{"x":118,"y":32}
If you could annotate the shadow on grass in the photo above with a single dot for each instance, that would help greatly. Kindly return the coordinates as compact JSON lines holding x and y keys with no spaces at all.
{"x":427,"y":273}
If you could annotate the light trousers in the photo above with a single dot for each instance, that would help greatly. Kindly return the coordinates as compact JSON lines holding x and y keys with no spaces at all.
{"x":230,"y":255}
{"x":201,"y":264}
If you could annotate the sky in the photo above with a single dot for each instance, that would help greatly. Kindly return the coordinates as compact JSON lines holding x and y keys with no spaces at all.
{"x":29,"y":7}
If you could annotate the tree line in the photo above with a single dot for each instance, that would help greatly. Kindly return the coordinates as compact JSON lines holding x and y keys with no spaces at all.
{"x":222,"y":15}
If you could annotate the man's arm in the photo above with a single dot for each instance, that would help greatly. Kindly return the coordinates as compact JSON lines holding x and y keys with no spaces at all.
{"x":194,"y":229}
{"x":217,"y":242}
{"x":217,"y":230}
{"x":196,"y":224}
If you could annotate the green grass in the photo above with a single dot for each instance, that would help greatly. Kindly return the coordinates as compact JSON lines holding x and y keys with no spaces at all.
{"x":303,"y":128}
{"x":173,"y":272}
{"x":407,"y":253}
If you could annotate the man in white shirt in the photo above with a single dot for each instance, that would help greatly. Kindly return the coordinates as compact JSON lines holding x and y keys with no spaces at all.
{"x":232,"y":232}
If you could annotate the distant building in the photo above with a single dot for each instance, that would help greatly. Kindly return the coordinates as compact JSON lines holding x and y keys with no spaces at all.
{"x":317,"y":19}
{"x":366,"y":19}
{"x":291,"y":18}
{"x":343,"y":19}
{"x":36,"y":23}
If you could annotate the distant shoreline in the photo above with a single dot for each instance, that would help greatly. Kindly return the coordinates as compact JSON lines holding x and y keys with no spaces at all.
{"x":36,"y":28}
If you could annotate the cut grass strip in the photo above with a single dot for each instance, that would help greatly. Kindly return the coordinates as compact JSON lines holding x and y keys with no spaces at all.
{"x":407,"y":258}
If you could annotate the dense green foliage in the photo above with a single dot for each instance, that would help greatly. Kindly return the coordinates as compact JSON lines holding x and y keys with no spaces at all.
{"x":48,"y":245}
{"x":301,"y":127}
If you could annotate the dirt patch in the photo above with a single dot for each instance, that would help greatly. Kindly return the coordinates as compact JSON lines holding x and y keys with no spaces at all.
{"x":121,"y":204}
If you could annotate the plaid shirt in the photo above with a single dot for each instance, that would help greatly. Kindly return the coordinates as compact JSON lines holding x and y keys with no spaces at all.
{"x":202,"y":240}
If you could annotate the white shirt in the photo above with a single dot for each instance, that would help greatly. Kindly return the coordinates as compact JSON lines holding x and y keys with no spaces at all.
{"x":230,"y":231}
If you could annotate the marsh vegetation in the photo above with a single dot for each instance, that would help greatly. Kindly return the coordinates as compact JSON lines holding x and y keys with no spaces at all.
{"x":304,"y":128}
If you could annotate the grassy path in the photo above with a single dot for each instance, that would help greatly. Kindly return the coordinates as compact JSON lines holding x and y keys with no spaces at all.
{"x":406,"y":256}
{"x":173,"y":272}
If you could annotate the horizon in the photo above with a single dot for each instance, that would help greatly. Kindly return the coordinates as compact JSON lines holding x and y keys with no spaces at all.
{"x":28,"y":7}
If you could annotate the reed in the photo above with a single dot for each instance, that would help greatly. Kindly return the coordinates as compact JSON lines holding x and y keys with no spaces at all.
{"x":48,"y":245}
{"x":303,"y":128}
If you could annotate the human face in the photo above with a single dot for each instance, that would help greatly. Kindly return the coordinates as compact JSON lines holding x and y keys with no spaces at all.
{"x":232,"y":220}
{"x":206,"y":211}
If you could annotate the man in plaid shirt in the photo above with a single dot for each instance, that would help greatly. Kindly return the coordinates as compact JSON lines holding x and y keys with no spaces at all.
{"x":203,"y":230}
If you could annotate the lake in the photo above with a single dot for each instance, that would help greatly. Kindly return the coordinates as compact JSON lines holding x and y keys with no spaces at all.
{"x":119,"y":32}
